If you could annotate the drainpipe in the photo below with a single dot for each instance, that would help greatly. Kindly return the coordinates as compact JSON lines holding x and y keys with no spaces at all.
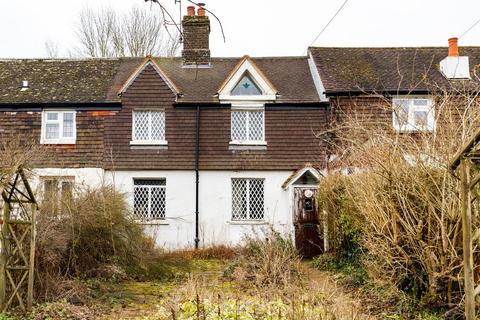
{"x":197,"y":175}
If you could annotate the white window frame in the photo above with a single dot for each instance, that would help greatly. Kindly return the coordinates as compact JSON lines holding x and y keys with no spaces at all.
{"x":247,"y":185}
{"x":150,"y":187}
{"x":148,"y":142}
{"x":410,"y":125}
{"x":59,"y":121}
{"x":248,"y":108}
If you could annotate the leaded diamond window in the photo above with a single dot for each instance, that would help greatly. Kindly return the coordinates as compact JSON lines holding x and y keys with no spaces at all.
{"x":248,"y":199}
{"x":413,"y":114}
{"x":149,"y":199}
{"x":246,"y":87}
{"x":149,"y":126}
{"x":58,"y":127}
{"x":248,"y":126}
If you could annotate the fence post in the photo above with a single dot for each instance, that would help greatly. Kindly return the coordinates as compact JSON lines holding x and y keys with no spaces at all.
{"x":4,"y":256}
{"x":31,"y":270}
{"x":467,"y":240}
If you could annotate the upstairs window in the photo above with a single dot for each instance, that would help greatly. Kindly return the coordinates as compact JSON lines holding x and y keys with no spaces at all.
{"x":246,"y":87}
{"x":248,"y":199}
{"x":413,"y":114}
{"x":149,"y":199}
{"x":148,"y":127}
{"x":248,"y":126}
{"x":58,"y":127}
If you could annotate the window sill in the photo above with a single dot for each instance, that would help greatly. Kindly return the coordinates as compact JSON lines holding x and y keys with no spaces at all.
{"x":151,"y":145}
{"x":407,"y":130}
{"x":60,"y":141}
{"x":153,"y":222}
{"x":248,"y":145}
{"x":248,"y":222}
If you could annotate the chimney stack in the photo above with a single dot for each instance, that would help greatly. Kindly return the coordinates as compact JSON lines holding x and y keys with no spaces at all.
{"x":453,"y":47}
{"x":196,"y":34}
{"x":454,"y":66}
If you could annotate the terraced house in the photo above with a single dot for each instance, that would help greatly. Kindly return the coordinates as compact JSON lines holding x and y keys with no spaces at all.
{"x":209,"y":149}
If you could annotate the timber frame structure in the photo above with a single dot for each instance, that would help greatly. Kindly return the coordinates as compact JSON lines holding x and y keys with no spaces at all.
{"x":466,"y":166}
{"x":17,"y":253}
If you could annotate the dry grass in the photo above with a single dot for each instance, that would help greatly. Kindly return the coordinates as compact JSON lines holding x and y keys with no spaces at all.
{"x":407,"y":198}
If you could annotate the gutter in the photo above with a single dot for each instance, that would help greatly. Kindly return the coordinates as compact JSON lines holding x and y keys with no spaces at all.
{"x":377,"y":92}
{"x":197,"y":176}
{"x":38,"y":106}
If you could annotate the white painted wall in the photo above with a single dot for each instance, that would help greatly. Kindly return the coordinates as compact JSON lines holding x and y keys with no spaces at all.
{"x":215,"y":204}
{"x":83,"y":176}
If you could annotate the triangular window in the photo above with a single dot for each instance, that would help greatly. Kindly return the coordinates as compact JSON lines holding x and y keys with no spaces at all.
{"x":246,"y":87}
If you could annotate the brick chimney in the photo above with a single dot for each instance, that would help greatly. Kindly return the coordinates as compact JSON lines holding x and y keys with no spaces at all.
{"x":196,"y":34}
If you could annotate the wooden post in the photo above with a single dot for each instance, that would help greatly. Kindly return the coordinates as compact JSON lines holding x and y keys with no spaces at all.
{"x":326,"y":243}
{"x":31,"y":267}
{"x":467,"y":240}
{"x":4,"y":256}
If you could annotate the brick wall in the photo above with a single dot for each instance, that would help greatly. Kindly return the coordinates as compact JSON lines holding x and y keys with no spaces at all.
{"x":196,"y":34}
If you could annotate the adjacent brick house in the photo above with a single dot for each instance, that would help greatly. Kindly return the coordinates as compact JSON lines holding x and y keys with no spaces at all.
{"x":206,"y":149}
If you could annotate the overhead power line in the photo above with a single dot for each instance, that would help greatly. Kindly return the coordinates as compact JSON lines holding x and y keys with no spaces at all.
{"x":468,"y":30}
{"x":329,"y":22}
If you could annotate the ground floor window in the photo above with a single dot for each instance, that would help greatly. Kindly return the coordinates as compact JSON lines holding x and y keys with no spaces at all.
{"x":149,"y":198}
{"x":57,"y":192}
{"x":248,"y":197}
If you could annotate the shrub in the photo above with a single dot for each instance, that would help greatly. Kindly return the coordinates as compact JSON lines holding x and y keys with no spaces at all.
{"x":406,"y":198}
{"x":92,"y":234}
{"x":268,"y":262}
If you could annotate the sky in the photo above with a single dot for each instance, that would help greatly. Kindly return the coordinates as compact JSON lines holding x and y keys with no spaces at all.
{"x":259,"y":27}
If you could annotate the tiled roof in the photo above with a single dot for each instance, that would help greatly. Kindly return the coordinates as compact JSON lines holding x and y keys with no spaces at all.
{"x":99,"y":80}
{"x":56,"y":80}
{"x":384,"y":69}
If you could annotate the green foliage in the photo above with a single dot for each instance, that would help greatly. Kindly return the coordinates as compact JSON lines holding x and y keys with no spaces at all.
{"x":353,"y":272}
{"x":341,"y":215}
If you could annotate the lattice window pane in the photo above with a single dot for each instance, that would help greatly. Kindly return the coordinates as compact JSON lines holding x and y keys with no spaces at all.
{"x":255,"y":125}
{"x":158,"y":125}
{"x":149,"y":199}
{"x":157,"y":200}
{"x":239,"y":199}
{"x":141,"y":125}
{"x":239,"y":125}
{"x":256,"y":199}
{"x":248,"y":199}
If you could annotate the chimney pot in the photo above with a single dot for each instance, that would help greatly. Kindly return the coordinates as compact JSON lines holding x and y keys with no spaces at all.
{"x":191,"y":11}
{"x":453,"y":47}
{"x":201,"y":10}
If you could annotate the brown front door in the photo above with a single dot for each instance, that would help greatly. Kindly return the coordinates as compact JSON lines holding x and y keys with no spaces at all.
{"x":306,"y":221}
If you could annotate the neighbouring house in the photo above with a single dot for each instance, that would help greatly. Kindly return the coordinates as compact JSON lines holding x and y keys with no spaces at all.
{"x":208,"y":150}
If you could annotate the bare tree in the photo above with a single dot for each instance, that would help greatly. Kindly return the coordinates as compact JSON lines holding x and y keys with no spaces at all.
{"x":139,"y":32}
{"x":51,"y":49}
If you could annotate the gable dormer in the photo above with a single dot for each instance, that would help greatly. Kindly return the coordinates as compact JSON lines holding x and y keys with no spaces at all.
{"x":247,"y":83}
{"x":149,"y":62}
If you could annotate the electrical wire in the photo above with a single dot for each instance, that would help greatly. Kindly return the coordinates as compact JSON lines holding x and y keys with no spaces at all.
{"x":329,"y":22}
{"x":468,"y":30}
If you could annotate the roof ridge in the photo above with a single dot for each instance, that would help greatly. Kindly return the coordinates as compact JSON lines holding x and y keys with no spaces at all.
{"x":384,"y":48}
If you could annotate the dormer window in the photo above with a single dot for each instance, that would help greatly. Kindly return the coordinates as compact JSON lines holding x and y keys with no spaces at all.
{"x":247,"y":90}
{"x":246,"y":87}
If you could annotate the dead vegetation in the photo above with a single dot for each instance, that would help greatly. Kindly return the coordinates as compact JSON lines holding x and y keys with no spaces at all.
{"x":403,"y":198}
